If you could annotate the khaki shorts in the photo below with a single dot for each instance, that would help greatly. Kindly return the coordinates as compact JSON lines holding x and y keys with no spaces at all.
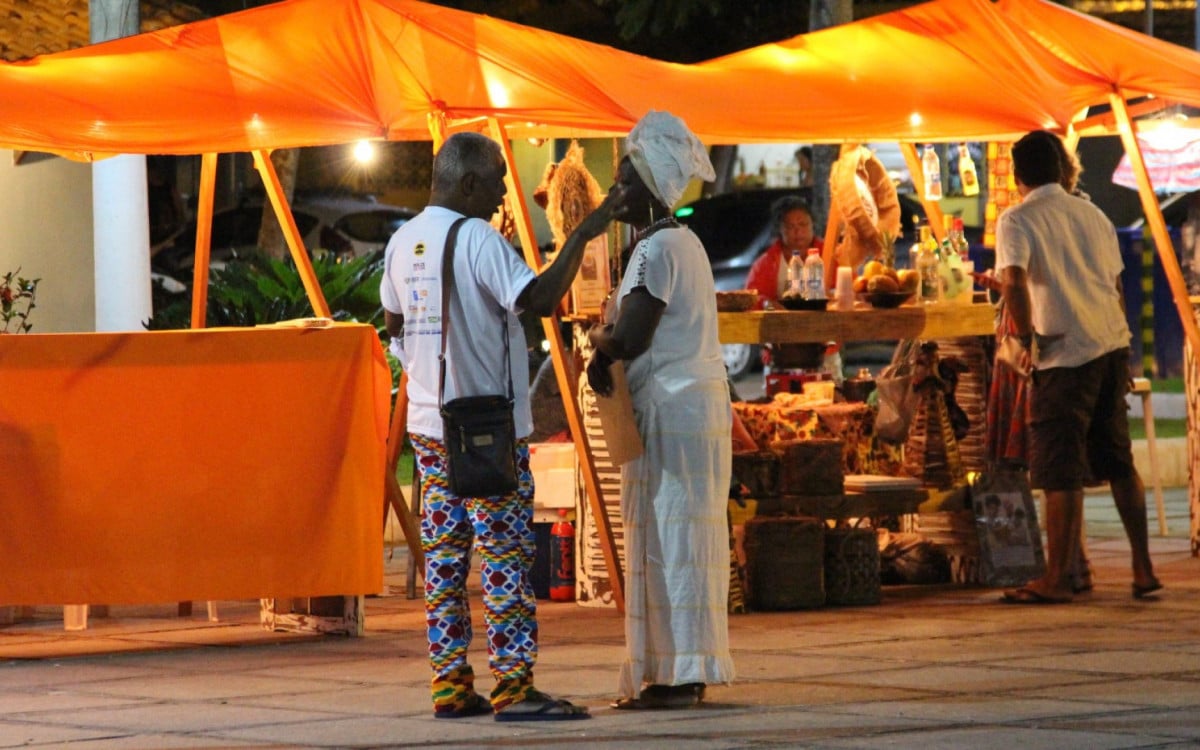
{"x":1079,"y":425}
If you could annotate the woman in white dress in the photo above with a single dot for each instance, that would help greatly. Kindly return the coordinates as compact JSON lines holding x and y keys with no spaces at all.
{"x":674,"y":497}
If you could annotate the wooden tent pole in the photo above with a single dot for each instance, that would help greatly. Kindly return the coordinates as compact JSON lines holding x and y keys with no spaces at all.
{"x":393,"y":497}
{"x":262,"y":161}
{"x":1071,"y":139}
{"x":1127,"y":129}
{"x":933,"y":209}
{"x":550,"y":325}
{"x":204,"y":214}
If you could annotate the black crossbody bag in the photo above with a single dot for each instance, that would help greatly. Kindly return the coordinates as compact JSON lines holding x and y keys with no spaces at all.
{"x":480,"y":436}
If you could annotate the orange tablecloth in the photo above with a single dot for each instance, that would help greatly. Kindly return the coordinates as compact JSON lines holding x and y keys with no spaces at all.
{"x":191,"y":465}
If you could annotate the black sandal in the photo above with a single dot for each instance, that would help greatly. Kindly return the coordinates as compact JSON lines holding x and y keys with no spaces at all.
{"x":474,"y":705}
{"x":537,"y":706}
{"x":661,"y":697}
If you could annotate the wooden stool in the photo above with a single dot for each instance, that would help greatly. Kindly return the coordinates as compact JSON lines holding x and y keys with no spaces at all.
{"x":1141,"y":386}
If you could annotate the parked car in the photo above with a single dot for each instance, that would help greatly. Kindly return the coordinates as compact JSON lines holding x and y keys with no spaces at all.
{"x":353,"y":225}
{"x":735,"y":228}
{"x":348,"y":225}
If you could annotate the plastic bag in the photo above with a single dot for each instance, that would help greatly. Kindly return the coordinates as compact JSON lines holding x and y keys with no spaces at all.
{"x":897,"y":401}
{"x":1010,"y":541}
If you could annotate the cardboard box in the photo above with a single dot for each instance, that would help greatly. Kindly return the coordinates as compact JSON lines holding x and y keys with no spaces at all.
{"x":553,"y":467}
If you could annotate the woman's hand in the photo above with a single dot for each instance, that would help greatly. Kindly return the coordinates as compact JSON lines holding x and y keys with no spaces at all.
{"x":599,"y":378}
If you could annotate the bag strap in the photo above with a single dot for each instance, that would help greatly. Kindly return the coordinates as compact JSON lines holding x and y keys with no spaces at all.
{"x":447,"y":290}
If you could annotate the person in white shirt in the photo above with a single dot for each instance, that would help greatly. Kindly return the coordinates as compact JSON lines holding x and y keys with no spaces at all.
{"x":1060,"y":266}
{"x":491,"y":284}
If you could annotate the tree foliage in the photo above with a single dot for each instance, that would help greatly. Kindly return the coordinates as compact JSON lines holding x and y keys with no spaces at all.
{"x":258,"y":289}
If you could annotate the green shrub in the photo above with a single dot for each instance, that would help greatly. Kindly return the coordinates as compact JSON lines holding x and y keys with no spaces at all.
{"x":255,"y":289}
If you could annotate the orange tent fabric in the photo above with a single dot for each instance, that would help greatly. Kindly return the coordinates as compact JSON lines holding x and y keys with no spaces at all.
{"x":947,"y":70}
{"x":310,"y":72}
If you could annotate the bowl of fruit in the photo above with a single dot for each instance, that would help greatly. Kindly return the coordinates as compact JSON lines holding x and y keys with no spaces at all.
{"x":884,"y":287}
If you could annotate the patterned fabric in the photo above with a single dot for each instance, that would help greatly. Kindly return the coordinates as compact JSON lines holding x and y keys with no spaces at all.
{"x":501,"y":530}
{"x":511,"y":691}
{"x":737,"y":593}
{"x":791,"y":416}
{"x":1007,"y":406}
{"x":453,"y":691}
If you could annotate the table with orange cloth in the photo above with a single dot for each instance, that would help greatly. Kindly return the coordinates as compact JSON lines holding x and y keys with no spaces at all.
{"x":192,"y":465}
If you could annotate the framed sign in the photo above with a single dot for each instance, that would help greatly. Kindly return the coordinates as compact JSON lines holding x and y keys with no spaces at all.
{"x":592,"y":285}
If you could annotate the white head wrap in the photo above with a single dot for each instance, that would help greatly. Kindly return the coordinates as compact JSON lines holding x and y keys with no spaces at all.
{"x":667,"y":155}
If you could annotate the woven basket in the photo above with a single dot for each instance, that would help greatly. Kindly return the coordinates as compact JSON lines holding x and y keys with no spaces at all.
{"x":739,"y":300}
{"x":784,"y":556}
{"x":759,"y":472}
{"x":851,"y":566}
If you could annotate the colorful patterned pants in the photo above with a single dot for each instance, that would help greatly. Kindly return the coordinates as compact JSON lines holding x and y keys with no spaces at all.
{"x":501,"y":530}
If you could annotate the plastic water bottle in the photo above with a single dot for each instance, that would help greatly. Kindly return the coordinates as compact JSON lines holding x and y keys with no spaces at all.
{"x":795,"y":274}
{"x":814,"y":275}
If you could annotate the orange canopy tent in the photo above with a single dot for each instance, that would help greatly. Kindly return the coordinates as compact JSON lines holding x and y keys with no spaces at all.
{"x":311,"y":72}
{"x":957,"y":70}
{"x":308,"y":72}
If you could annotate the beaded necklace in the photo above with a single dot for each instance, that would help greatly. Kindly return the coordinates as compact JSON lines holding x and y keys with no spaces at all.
{"x":666,"y":221}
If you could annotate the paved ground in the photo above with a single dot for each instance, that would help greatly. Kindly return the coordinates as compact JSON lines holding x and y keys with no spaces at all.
{"x":931,"y":667}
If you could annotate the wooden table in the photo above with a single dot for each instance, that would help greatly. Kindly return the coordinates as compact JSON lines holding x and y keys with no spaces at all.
{"x":861,"y":324}
{"x":201,"y":465}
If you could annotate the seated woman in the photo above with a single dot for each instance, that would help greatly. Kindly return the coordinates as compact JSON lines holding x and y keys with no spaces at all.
{"x":792,"y":227}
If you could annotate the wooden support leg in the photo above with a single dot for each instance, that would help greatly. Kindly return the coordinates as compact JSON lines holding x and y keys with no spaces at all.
{"x":1141,"y":386}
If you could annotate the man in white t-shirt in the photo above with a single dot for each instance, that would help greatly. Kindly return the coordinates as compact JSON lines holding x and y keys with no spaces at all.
{"x":1060,"y":267}
{"x":491,"y":284}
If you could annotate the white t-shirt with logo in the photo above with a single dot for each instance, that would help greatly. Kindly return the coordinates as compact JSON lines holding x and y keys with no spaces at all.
{"x":489,"y":275}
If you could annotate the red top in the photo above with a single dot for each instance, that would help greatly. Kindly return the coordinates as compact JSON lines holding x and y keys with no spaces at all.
{"x":764,"y":272}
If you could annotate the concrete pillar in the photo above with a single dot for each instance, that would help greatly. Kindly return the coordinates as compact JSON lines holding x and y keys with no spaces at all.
{"x":121,"y":234}
{"x":121,"y":240}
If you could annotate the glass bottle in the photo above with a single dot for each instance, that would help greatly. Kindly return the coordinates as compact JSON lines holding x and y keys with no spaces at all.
{"x":928,"y":267}
{"x":795,"y":274}
{"x":966,"y":171}
{"x":931,"y":169}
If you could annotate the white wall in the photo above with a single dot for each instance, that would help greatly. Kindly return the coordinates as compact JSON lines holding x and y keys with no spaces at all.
{"x":46,"y":230}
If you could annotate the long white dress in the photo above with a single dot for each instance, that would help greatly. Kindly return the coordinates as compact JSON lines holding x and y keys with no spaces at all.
{"x":674,"y":497}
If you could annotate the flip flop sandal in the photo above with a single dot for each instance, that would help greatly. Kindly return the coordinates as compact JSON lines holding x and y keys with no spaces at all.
{"x":1025,"y":595}
{"x":474,"y":705}
{"x":1146,"y":592}
{"x":541,"y":707}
